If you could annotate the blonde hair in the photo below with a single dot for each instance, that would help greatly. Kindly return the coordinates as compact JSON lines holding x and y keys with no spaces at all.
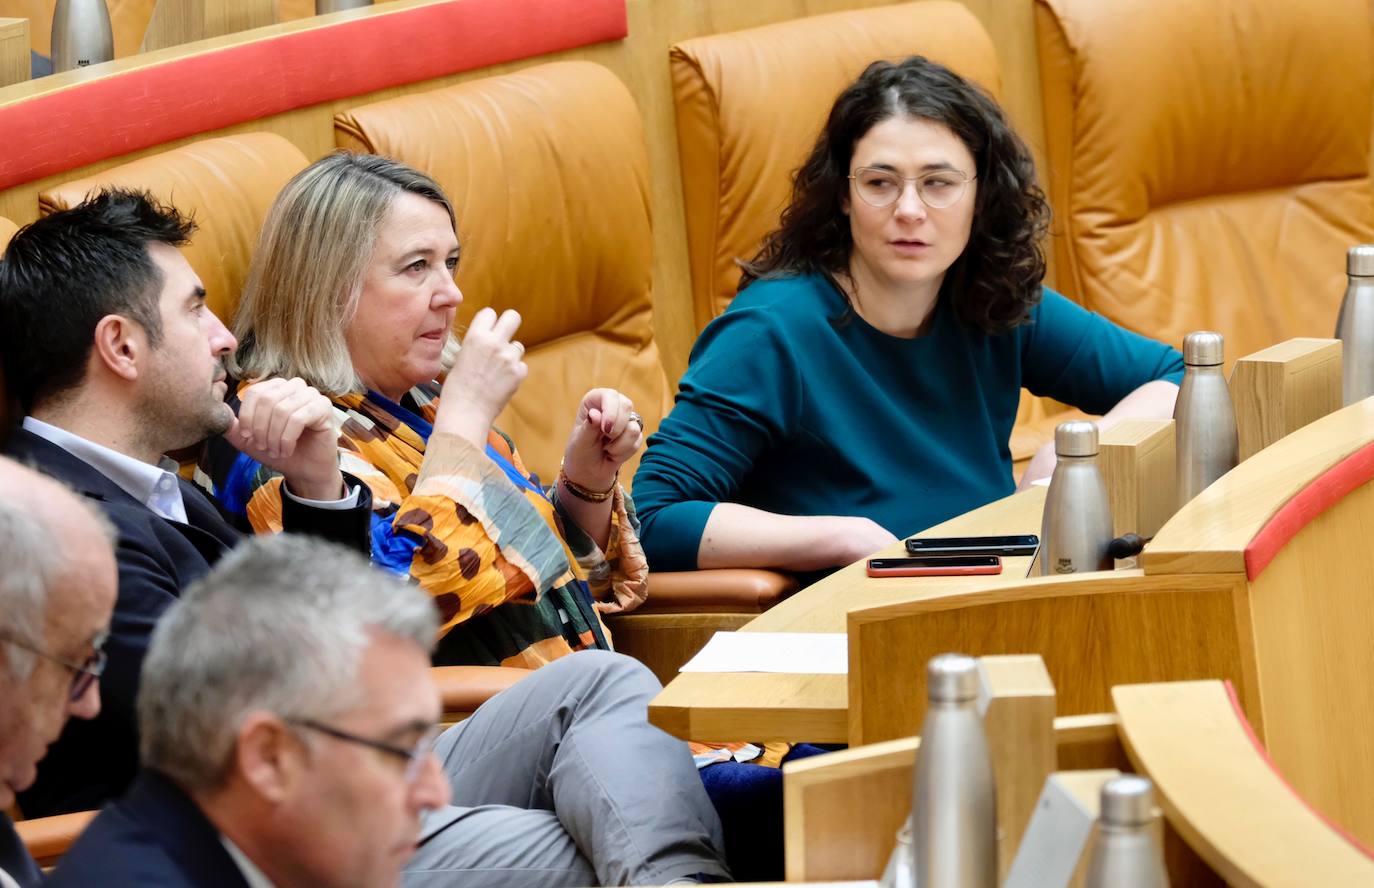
{"x":307,"y":273}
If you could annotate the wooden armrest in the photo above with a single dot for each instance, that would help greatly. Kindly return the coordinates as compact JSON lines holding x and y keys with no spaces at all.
{"x":48,"y":838}
{"x":464,"y":688}
{"x":727,"y":590}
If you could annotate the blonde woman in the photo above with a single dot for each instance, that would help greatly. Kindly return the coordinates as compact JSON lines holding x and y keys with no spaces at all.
{"x":352,"y":290}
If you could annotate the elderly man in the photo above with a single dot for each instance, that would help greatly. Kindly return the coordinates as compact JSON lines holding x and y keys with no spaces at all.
{"x":286,"y":720}
{"x":56,"y":592}
{"x":110,"y":350}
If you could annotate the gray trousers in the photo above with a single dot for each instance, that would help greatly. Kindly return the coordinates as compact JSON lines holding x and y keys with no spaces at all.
{"x":561,"y":781}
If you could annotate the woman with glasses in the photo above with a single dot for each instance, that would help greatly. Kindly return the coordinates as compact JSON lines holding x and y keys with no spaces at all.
{"x":352,"y":290}
{"x":865,"y":381}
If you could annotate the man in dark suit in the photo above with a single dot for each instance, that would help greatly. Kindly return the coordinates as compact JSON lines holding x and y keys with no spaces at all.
{"x":116,"y":361}
{"x":56,"y":592}
{"x":287,"y":722}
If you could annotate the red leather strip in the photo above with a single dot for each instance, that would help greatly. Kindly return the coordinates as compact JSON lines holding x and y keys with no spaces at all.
{"x":1264,"y":754}
{"x":1324,"y":492}
{"x":127,"y":112}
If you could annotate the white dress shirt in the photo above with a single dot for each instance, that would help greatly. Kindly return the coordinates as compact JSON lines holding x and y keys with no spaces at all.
{"x":251,"y":874}
{"x":153,"y":485}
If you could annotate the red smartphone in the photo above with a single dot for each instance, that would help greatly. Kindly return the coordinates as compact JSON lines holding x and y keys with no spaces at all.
{"x":935,"y":566}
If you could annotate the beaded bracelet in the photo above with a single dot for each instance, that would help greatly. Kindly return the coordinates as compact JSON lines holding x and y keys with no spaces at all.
{"x":582,"y":493}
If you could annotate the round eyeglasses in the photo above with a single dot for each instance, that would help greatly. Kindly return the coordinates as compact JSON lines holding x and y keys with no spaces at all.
{"x":937,"y":189}
{"x":84,"y":674}
{"x":414,"y":756}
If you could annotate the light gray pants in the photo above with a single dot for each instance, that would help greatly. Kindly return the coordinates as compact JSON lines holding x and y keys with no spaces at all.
{"x":561,"y":781}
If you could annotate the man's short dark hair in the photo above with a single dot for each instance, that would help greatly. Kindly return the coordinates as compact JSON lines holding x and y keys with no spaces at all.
{"x":63,"y":273}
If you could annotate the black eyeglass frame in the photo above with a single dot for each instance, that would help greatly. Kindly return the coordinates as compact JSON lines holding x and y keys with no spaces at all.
{"x":83,"y":674}
{"x":414,"y":757}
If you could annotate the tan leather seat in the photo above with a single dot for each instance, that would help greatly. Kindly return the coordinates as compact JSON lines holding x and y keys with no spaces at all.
{"x":548,"y":172}
{"x":7,"y":230}
{"x":749,"y":107}
{"x":227,"y":184}
{"x":1209,"y":161}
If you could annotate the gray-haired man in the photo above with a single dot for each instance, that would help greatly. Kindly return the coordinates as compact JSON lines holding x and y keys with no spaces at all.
{"x":57,"y":589}
{"x":285,"y":718}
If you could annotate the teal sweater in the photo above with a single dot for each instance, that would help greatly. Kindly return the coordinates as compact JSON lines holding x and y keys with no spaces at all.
{"x":795,"y":405}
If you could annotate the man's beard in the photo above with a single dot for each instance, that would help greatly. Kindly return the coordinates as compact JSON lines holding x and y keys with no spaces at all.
{"x":169,"y":426}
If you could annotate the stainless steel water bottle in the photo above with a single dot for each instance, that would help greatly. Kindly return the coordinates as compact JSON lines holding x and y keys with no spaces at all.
{"x":1076,"y":528}
{"x":1355,"y":325}
{"x":897,"y":873}
{"x":323,"y":6}
{"x":1204,"y":417}
{"x":1126,"y":854}
{"x":81,"y":34}
{"x":954,"y":817}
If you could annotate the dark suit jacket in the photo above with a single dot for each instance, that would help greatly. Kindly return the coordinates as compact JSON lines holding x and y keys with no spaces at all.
{"x":93,"y":761}
{"x":154,"y":836}
{"x":15,"y":861}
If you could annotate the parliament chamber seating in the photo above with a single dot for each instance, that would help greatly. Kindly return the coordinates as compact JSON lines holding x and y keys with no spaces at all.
{"x":554,"y":221}
{"x":7,"y":230}
{"x":749,"y":106}
{"x":1196,"y":184}
{"x":1165,"y":239}
{"x":1262,"y":580}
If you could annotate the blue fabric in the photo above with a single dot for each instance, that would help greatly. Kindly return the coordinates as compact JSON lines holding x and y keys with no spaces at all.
{"x":748,"y":800}
{"x":15,"y":861}
{"x":154,"y":835}
{"x":795,"y":405}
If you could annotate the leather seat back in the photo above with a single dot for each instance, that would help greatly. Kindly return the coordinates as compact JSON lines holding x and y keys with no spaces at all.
{"x":7,"y":230}
{"x":226,"y":184}
{"x":1209,"y":160}
{"x":549,"y":175}
{"x":750,"y":105}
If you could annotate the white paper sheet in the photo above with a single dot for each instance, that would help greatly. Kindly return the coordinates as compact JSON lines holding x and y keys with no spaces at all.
{"x":812,"y":653}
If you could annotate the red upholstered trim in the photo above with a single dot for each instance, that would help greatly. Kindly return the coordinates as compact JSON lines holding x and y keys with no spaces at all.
{"x":130,"y":111}
{"x":1264,"y":754}
{"x":1318,"y":496}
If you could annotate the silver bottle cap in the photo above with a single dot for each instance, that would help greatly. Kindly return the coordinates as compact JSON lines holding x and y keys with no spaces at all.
{"x":1128,"y":800}
{"x":1359,"y":261}
{"x":951,"y":678}
{"x":1075,"y":438}
{"x":1203,"y":348}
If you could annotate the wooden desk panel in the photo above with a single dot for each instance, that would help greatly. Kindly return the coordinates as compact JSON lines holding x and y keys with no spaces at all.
{"x":726,"y":707}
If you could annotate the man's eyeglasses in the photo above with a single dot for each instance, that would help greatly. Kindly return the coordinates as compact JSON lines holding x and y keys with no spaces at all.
{"x":84,"y":674}
{"x":414,"y":757}
{"x":937,"y":189}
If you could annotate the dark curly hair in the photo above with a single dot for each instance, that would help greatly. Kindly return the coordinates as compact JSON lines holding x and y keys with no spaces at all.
{"x":995,"y":282}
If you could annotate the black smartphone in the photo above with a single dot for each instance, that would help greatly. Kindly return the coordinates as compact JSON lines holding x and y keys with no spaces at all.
{"x":1009,"y":546}
{"x":935,"y":566}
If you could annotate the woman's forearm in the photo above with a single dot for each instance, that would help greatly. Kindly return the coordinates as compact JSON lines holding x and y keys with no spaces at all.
{"x":593,"y":517}
{"x":742,"y":536}
{"x":1153,"y":400}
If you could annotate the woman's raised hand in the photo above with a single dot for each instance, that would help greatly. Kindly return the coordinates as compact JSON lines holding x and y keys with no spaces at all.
{"x":489,"y":368}
{"x":605,"y":434}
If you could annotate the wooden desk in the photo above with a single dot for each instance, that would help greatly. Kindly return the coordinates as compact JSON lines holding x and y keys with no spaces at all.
{"x":731,"y":706}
